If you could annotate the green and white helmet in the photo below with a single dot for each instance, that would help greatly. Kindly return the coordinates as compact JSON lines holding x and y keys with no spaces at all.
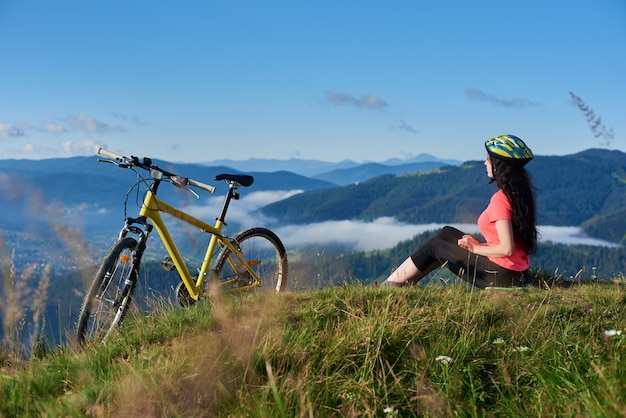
{"x":509,"y":148}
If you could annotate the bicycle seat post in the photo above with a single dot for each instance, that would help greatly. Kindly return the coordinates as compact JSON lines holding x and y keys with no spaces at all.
{"x":230,"y":194}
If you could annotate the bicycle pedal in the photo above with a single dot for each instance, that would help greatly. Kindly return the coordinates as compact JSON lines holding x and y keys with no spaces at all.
{"x":168,"y":264}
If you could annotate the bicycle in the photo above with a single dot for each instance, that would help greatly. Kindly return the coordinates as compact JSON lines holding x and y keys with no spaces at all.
{"x":254,"y":258}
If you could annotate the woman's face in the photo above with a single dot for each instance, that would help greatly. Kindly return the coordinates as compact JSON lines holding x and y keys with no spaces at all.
{"x":489,"y":167}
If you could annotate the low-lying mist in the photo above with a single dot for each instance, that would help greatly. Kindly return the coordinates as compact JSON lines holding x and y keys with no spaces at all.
{"x":381,"y":233}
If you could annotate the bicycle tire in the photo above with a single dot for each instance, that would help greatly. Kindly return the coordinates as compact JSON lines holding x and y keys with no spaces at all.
{"x":265,"y":248}
{"x":110,"y":293}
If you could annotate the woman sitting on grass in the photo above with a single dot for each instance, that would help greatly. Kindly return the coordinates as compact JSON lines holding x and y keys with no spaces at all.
{"x":508,"y":226}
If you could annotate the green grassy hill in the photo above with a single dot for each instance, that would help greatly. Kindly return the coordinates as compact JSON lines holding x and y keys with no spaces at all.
{"x":345,"y":351}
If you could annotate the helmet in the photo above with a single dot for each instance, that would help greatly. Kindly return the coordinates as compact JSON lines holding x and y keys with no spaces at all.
{"x":509,"y":148}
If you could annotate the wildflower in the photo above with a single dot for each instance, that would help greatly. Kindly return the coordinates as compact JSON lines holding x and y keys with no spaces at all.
{"x":522,"y":348}
{"x":445,"y":359}
{"x":390,"y":411}
{"x":498,"y":341}
{"x":612,"y":332}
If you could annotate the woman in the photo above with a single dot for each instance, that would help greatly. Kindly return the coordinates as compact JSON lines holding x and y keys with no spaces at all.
{"x":508,"y":226}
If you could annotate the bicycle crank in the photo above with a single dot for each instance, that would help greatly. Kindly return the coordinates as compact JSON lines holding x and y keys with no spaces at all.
{"x":183,"y":297}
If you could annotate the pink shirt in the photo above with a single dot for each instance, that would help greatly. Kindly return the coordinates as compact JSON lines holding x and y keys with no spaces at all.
{"x":500,"y":209}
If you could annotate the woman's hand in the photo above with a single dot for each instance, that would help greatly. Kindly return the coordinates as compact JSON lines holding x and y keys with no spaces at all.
{"x":469,"y":243}
{"x":504,"y":248}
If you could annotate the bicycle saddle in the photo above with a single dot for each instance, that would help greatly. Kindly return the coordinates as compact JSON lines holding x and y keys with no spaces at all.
{"x":242,"y":179}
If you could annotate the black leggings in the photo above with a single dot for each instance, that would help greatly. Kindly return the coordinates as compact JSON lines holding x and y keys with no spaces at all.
{"x":443,"y":249}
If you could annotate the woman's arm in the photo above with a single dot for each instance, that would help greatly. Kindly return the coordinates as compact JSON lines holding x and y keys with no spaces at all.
{"x":505,"y":248}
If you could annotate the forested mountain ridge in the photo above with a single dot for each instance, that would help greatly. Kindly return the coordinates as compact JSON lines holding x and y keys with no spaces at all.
{"x":586,"y":189}
{"x":364,"y":172}
{"x":332,"y":171}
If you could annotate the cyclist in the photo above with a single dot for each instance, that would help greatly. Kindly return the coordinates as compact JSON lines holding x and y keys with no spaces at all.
{"x":508,"y":225}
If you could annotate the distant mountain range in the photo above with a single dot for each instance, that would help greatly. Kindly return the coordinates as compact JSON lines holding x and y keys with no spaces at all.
{"x":364,"y":172}
{"x":324,"y":169}
{"x":37,"y":197}
{"x":67,"y":183}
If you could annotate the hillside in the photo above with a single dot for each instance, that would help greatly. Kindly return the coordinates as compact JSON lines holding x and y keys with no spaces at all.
{"x":345,"y":351}
{"x":588,"y":189}
{"x":364,"y":172}
{"x":310,"y":267}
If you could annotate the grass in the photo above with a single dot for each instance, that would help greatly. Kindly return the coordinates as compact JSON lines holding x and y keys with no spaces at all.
{"x":346,"y":351}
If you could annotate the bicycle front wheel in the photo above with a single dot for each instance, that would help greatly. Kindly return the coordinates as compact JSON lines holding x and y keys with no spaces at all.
{"x":110,"y":293}
{"x":266,"y":255}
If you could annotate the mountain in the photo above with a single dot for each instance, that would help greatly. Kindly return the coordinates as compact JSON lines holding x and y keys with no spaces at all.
{"x":580,"y":189}
{"x":364,"y":172}
{"x":307,"y":168}
{"x":49,"y":205}
{"x":34,"y":191}
{"x":318,"y":169}
{"x":78,"y":171}
{"x":80,"y":196}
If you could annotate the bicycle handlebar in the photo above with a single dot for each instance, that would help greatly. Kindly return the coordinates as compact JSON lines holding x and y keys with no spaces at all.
{"x":109,"y":154}
{"x":176,"y":180}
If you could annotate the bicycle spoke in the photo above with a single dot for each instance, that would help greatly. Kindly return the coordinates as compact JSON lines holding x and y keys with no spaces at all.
{"x":265,"y":256}
{"x":110,"y":293}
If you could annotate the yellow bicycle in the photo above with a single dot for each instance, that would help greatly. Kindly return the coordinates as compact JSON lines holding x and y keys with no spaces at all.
{"x":253,"y":258}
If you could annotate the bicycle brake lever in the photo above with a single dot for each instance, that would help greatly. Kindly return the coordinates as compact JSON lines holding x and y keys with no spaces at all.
{"x":107,"y":161}
{"x":192,"y":192}
{"x":121,"y":164}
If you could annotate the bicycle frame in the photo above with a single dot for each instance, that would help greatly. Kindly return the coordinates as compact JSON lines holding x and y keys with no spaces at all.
{"x":223,"y":268}
{"x":152,"y":208}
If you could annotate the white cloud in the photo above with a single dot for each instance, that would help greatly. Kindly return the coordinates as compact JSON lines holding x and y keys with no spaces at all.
{"x":476,"y":94}
{"x":53,"y":128}
{"x":78,"y":122}
{"x":128,"y":118}
{"x":569,"y":235}
{"x":369,"y":101}
{"x":241,"y":211}
{"x":8,"y":130}
{"x":403,"y":126}
{"x":379,"y":234}
{"x":89,"y":124}
{"x":385,"y":232}
{"x":86,"y":147}
{"x":28,"y":148}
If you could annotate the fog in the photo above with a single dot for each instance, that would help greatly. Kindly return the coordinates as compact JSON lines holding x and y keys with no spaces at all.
{"x":379,"y":234}
{"x":385,"y":233}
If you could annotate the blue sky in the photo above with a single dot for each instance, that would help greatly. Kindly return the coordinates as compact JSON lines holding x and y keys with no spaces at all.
{"x":198,"y":81}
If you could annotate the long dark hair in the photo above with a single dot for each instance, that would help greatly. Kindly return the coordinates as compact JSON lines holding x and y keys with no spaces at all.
{"x":513,"y":179}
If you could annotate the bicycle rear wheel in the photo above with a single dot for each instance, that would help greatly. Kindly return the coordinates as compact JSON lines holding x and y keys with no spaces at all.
{"x":263,"y":251}
{"x":110,"y":294}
